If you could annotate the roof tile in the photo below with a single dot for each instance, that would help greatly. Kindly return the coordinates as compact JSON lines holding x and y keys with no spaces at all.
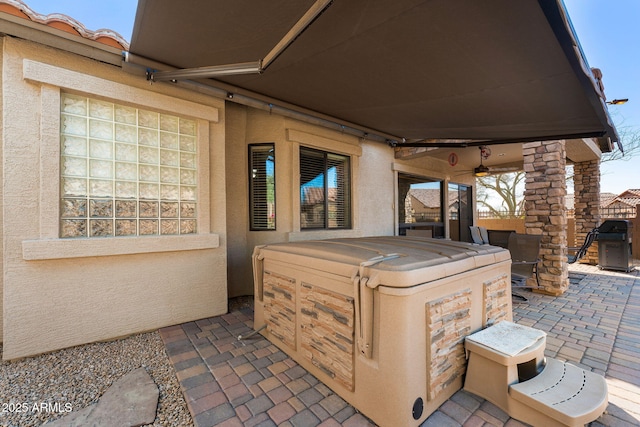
{"x":64,"y":23}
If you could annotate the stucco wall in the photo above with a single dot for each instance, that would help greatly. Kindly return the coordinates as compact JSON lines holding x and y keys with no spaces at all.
{"x":1,"y":210}
{"x":64,"y":292}
{"x":251,"y":126}
{"x":374,"y":184}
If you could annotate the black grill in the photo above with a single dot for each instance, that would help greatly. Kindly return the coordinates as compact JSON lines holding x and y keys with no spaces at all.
{"x":614,"y":245}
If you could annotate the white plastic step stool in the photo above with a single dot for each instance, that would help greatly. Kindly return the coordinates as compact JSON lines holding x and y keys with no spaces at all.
{"x":507,"y":367}
{"x":565,"y":392}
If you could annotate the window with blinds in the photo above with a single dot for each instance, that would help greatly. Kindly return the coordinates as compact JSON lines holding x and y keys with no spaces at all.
{"x":262,"y":187}
{"x":325,"y":190}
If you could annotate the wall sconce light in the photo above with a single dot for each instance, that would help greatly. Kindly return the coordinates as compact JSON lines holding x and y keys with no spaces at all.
{"x":618,"y":101}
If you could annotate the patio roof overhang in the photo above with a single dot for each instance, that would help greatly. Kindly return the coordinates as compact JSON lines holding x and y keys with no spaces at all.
{"x":421,"y":72}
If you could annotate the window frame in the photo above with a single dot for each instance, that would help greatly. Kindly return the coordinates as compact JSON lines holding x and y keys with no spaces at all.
{"x":438,"y":227}
{"x":252,"y":226}
{"x":348,"y":187}
{"x":183,"y":216}
{"x":51,"y":80}
{"x":464,"y":217}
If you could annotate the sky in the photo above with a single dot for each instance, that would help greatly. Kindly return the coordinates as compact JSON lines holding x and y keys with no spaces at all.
{"x":608,"y":32}
{"x":116,"y":15}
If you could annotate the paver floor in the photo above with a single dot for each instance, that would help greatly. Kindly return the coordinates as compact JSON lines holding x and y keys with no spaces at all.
{"x":227,"y":382}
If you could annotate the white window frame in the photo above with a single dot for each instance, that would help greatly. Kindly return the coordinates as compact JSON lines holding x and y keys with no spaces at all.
{"x":48,"y":245}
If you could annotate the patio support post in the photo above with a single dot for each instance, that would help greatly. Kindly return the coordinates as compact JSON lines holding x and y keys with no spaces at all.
{"x":404,"y":205}
{"x":546,"y":212}
{"x":586,"y":184}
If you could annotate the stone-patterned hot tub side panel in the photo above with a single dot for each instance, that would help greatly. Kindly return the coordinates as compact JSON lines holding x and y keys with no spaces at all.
{"x":327,"y":336}
{"x":448,"y":322}
{"x":280,"y":307}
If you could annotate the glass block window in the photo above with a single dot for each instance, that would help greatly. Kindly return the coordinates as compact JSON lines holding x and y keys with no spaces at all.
{"x":125,"y":171}
{"x":325,"y":190}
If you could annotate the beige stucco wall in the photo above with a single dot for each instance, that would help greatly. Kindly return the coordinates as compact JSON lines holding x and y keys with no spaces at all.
{"x":1,"y":210}
{"x":372,"y":193}
{"x":63,"y":292}
{"x":374,"y":184}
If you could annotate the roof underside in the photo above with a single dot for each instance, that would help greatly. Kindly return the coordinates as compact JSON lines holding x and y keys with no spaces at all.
{"x":412,"y":69}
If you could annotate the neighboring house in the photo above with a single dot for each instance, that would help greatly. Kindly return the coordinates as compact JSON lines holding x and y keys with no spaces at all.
{"x":130,"y":205}
{"x":605,"y":199}
{"x":426,"y":204}
{"x":611,"y":204}
{"x":623,"y":204}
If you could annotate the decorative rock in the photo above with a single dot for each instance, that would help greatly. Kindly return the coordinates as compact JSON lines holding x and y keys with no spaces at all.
{"x":74,"y":419}
{"x":131,"y":401}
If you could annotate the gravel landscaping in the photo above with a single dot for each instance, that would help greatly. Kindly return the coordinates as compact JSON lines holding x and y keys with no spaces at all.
{"x":42,"y":388}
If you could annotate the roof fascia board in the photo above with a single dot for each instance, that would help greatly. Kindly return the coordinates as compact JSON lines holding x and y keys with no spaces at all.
{"x":53,"y":37}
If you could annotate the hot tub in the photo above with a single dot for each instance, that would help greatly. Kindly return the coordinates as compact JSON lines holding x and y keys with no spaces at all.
{"x":381,"y":320}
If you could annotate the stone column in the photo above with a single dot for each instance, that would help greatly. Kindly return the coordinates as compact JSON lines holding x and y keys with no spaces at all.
{"x":404,"y":204}
{"x":545,"y":211}
{"x":586,"y":184}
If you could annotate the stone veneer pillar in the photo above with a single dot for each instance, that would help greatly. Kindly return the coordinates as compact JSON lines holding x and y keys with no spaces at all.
{"x":404,"y":202}
{"x":586,"y":184}
{"x":546,"y":212}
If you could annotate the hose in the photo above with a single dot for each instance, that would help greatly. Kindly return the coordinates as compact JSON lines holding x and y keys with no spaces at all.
{"x":592,"y":236}
{"x":240,"y":337}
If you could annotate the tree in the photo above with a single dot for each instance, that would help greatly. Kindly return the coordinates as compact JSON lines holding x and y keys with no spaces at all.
{"x":630,"y":139}
{"x":502,"y":188}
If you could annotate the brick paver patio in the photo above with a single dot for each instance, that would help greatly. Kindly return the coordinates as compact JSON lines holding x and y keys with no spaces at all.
{"x":226,"y":382}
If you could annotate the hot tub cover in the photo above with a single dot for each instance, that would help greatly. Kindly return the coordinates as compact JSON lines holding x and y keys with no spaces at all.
{"x":396,"y":261}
